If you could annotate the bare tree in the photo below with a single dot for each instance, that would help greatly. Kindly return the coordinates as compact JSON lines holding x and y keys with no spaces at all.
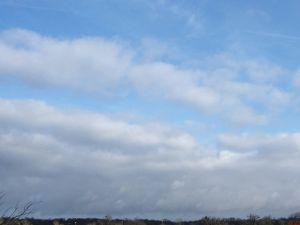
{"x":267,"y":220}
{"x":252,"y":219}
{"x":10,"y":215}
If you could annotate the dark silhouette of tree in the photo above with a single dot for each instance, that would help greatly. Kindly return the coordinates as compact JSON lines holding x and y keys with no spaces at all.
{"x":11,"y":215}
{"x":266,"y":221}
{"x":252,"y":219}
{"x":213,"y":221}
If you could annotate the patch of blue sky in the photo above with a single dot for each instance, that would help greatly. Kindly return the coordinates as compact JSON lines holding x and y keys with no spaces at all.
{"x":131,"y":21}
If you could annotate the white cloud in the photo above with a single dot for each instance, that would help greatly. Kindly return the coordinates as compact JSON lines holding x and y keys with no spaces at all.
{"x":161,"y":79}
{"x":88,"y":64}
{"x":263,"y":71}
{"x":240,"y":90}
{"x":296,"y":81}
{"x":284,"y":144}
{"x":244,"y":115}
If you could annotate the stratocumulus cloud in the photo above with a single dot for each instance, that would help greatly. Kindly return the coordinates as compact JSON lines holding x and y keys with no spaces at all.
{"x":106,"y":67}
{"x":91,"y":164}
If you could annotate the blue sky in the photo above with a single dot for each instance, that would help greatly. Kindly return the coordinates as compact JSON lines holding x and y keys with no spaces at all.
{"x":185,"y":99}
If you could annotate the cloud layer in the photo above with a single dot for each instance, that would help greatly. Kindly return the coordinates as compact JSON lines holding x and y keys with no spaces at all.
{"x":81,"y":163}
{"x":164,"y":109}
{"x":243,"y":91}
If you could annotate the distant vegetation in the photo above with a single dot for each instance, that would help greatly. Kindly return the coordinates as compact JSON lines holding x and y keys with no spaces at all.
{"x":17,"y":216}
{"x":251,"y":220}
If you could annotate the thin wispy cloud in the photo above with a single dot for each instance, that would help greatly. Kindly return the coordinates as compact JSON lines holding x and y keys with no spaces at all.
{"x":275,"y":35}
{"x":22,"y":4}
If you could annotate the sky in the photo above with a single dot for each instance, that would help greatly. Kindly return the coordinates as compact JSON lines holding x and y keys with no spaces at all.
{"x":150,"y":109}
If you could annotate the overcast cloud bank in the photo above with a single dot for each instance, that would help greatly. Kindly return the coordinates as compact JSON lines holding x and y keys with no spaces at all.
{"x":81,"y":163}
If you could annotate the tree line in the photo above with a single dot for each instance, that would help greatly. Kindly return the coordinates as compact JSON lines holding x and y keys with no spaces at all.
{"x":251,"y":220}
{"x":18,"y":215}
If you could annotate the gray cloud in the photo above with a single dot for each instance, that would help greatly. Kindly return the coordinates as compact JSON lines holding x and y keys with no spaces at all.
{"x":87,"y":164}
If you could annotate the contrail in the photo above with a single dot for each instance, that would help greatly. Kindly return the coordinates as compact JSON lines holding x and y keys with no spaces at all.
{"x":275,"y":35}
